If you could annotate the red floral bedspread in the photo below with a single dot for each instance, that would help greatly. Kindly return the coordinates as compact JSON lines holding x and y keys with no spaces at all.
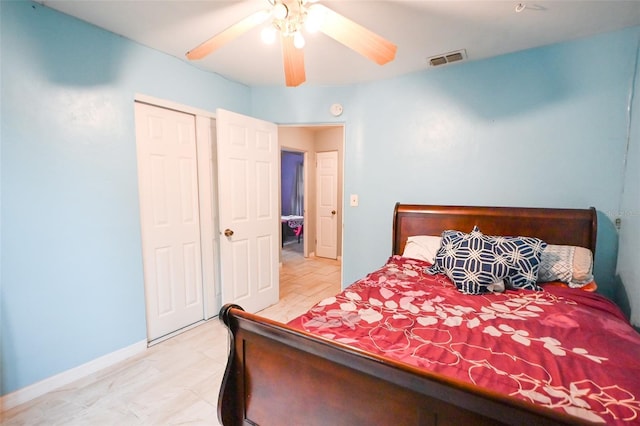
{"x":563,"y":348}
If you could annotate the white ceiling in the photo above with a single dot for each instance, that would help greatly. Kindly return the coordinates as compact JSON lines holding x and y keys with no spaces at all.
{"x":420,"y":29}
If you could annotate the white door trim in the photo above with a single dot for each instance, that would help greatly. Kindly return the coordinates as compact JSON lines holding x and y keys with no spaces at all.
{"x":163,"y":103}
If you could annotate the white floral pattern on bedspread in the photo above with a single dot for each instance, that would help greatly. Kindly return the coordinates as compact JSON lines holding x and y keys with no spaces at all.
{"x":562,"y":348}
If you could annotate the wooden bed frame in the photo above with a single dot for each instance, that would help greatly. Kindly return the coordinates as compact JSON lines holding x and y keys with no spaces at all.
{"x":277,"y":375}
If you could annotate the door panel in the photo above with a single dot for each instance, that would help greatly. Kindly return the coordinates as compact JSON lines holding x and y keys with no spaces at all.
{"x":169,"y":209}
{"x":165,"y":299}
{"x":327,"y":204}
{"x":248,"y":195}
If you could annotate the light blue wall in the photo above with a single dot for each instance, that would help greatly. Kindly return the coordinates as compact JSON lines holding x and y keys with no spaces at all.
{"x":72,"y":287}
{"x":545,"y":127}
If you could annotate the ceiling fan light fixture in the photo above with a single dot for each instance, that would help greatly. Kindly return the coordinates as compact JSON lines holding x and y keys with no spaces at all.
{"x":288,"y":17}
{"x":313,"y":20}
{"x":291,"y":22}
{"x":298,"y":40}
{"x":268,"y":34}
{"x":280,"y":11}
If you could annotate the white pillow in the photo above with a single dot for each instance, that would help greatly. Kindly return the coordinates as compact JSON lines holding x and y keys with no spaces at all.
{"x":569,"y":264}
{"x":422,"y":247}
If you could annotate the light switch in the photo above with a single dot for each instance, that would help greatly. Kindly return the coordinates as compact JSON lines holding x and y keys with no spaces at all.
{"x":353,"y":200}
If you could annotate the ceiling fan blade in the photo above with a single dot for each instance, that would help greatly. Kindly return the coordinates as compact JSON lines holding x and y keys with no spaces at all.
{"x":234,"y":31}
{"x":355,"y":36}
{"x":294,"y":73}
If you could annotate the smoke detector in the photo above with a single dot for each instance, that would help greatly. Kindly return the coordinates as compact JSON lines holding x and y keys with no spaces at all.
{"x":447,"y":58}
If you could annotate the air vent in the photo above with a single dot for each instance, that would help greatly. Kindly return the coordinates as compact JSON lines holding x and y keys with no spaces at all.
{"x":447,"y":58}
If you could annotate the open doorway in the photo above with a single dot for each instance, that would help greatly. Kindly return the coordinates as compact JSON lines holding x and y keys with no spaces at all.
{"x":307,"y":141}
{"x":292,"y":194}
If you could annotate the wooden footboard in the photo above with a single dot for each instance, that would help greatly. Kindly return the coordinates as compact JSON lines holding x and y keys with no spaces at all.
{"x":279,"y":376}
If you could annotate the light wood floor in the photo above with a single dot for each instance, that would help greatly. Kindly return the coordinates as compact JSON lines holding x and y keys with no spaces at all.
{"x":175,"y":382}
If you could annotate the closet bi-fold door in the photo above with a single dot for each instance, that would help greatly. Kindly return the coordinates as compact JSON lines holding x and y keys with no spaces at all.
{"x":169,"y":211}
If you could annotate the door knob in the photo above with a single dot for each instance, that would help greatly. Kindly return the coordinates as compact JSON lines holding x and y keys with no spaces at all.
{"x":228,"y":232}
{"x":333,"y":212}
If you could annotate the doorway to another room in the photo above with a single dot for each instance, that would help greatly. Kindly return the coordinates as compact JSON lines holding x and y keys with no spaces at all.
{"x":306,"y":277}
{"x":292,"y":201}
{"x":306,"y":188}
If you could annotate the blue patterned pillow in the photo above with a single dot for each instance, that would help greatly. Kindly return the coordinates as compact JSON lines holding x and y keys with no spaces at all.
{"x":448,"y":244}
{"x":469,"y":260}
{"x":523,"y":255}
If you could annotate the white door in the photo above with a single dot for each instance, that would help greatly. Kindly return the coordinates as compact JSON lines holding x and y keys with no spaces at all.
{"x":248,"y":170}
{"x":168,"y":186}
{"x":327,"y":204}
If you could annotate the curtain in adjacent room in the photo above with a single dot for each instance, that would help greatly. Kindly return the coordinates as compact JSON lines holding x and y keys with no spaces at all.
{"x":297,"y":195}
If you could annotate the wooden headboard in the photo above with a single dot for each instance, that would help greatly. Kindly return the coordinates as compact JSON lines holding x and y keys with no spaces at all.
{"x":575,"y":227}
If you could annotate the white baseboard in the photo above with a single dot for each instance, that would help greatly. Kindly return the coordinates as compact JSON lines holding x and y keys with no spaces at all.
{"x":35,"y":390}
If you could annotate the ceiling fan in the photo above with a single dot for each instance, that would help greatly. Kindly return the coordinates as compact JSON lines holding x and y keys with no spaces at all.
{"x":289,"y":17}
